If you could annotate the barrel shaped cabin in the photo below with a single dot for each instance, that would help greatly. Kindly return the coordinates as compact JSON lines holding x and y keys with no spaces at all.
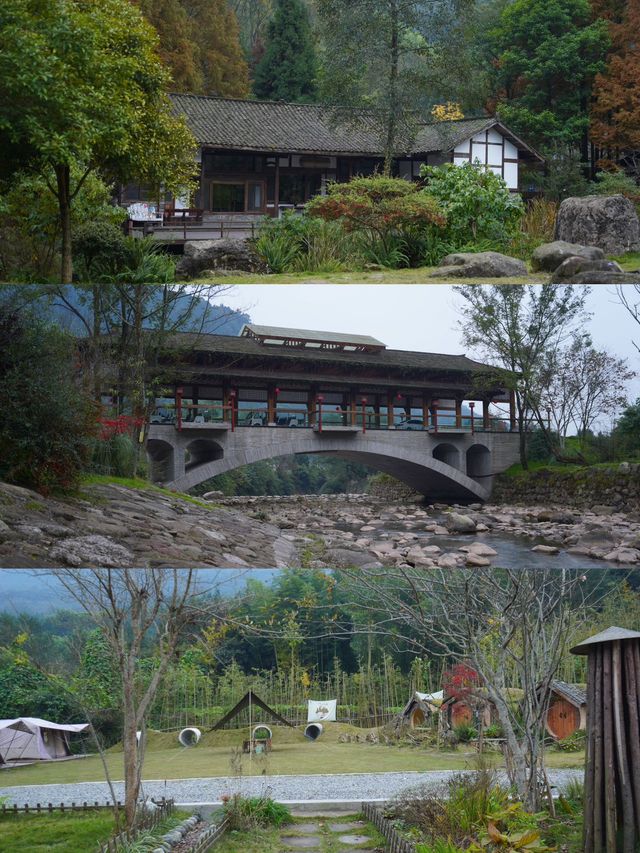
{"x":422,"y":708}
{"x":567,"y":712}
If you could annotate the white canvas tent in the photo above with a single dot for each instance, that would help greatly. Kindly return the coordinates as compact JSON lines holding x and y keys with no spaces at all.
{"x":32,"y":739}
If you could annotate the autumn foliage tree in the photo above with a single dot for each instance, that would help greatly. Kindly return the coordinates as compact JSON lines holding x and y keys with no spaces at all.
{"x":615,"y":111}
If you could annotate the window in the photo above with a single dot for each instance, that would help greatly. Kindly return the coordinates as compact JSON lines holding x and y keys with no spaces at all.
{"x":227,"y":198}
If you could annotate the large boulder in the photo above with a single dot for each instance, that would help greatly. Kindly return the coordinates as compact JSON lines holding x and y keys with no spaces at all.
{"x":603,"y":277}
{"x":573,"y":267}
{"x":549,"y":256}
{"x":212,"y":255}
{"x":480,"y":265}
{"x":608,"y":222}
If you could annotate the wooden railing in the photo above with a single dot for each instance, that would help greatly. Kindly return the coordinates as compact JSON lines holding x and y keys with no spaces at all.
{"x":145,"y":821}
{"x":395,"y":844}
{"x":49,"y":808}
{"x":209,"y":837}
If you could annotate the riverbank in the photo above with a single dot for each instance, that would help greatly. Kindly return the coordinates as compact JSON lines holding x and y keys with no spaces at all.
{"x":115,"y":525}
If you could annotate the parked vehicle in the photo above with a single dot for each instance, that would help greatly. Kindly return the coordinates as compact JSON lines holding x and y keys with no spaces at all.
{"x":411,"y":423}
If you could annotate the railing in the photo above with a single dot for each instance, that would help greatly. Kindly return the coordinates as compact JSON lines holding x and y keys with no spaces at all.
{"x":49,"y":808}
{"x":323,"y":416}
{"x":209,"y":837}
{"x":395,"y":844}
{"x":185,"y":216}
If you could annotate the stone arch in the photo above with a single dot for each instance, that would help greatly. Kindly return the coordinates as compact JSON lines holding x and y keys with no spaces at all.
{"x":478,"y":462}
{"x":201,"y":451}
{"x":448,"y":454}
{"x":161,"y":459}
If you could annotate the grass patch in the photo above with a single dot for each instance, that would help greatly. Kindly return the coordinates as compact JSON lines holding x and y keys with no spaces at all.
{"x":629,"y":262}
{"x":420,"y":275}
{"x":61,"y":833}
{"x":292,"y":754}
{"x":142,"y":485}
{"x":255,"y":841}
{"x":555,"y":467}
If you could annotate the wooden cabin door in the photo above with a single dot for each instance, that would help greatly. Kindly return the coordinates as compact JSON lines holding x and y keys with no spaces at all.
{"x":563,"y":719}
{"x":461,"y":714}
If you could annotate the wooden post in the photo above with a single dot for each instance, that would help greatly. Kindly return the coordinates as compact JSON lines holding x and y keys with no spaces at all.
{"x":391,"y":398}
{"x":311,"y":406}
{"x":353,"y":403}
{"x":425,"y":410}
{"x":226,"y":414}
{"x":272,"y":394}
{"x":612,"y":774}
{"x":179,"y":393}
{"x":512,"y":410}
{"x":458,"y":414}
{"x":473,"y":427}
{"x":486,"y":422}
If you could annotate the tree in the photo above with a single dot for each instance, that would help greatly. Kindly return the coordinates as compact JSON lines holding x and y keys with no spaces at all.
{"x":615,"y":108}
{"x":378,"y":57}
{"x":47,"y":421}
{"x":502,"y":623}
{"x":253,"y":17}
{"x":629,"y":298}
{"x":520,"y":327}
{"x":133,"y":607}
{"x":547,"y":54}
{"x":214,"y":30}
{"x":287,"y":69}
{"x":582,"y":384}
{"x":90,"y":98}
{"x":177,"y":48}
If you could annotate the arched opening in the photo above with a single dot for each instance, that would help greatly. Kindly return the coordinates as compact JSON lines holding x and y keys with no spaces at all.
{"x":161,"y":457}
{"x":200,"y":451}
{"x":417,"y":717}
{"x":478,"y":462}
{"x":313,"y":731}
{"x":448,"y":454}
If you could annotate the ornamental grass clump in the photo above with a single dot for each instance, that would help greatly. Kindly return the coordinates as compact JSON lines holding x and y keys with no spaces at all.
{"x":246,"y":813}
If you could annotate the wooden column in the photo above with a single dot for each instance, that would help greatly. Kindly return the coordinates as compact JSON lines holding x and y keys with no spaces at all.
{"x":311,"y":405}
{"x":391,"y":398}
{"x":353,"y":402}
{"x":425,"y":409}
{"x":277,"y":190}
{"x":458,"y":414}
{"x":271,"y":405}
{"x":226,"y":399}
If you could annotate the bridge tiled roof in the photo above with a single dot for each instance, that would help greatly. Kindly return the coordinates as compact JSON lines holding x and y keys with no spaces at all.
{"x":244,"y":125}
{"x":384,"y":358}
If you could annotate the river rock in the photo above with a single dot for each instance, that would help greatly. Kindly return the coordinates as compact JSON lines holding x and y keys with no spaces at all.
{"x":447,"y":561}
{"x":457,"y":523}
{"x":476,"y":561}
{"x":480,"y":265}
{"x":546,"y":549}
{"x":572,"y":268}
{"x":224,"y":254}
{"x":608,"y":222}
{"x":550,"y":256}
{"x":480,"y":549}
{"x":627,"y":556}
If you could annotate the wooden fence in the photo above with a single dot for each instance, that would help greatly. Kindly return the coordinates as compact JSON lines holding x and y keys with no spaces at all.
{"x":53,"y":807}
{"x":146,"y":820}
{"x":395,"y":843}
{"x":209,"y":837}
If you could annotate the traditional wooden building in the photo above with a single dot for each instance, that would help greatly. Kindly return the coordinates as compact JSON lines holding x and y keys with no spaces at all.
{"x":271,"y":376}
{"x":259,"y":158}
{"x":421,"y":708}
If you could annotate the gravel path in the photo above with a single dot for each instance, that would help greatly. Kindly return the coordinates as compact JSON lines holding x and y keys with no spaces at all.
{"x":344,"y":786}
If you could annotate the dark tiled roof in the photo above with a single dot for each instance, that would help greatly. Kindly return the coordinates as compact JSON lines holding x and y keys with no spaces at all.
{"x":573,"y":692}
{"x":310,"y":335}
{"x":235,"y":345}
{"x":309,"y":128}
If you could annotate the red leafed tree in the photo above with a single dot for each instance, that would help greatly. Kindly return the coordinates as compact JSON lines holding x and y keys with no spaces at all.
{"x":615,"y":112}
{"x":461,"y":682}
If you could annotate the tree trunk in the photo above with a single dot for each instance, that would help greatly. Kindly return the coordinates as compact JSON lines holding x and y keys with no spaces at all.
{"x":130,"y":751}
{"x":63,"y":181}
{"x":390,"y":145}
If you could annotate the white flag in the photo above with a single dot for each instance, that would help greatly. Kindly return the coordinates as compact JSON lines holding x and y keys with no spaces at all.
{"x":322,"y":711}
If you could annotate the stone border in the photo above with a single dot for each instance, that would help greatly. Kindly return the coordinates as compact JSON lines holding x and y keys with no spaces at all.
{"x":385,"y":827}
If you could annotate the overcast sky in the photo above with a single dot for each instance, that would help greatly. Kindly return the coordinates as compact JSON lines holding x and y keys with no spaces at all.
{"x":413,"y":316}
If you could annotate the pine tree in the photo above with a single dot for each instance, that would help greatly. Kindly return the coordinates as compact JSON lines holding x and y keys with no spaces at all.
{"x":177,"y":49}
{"x":615,"y":112}
{"x":215,"y":32}
{"x":287,"y":70}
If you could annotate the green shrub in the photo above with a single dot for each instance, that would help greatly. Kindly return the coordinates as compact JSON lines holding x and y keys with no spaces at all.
{"x":465,"y":732}
{"x":575,"y":742}
{"x":439,"y":846}
{"x":494,"y":730}
{"x":477,"y":203}
{"x":100,"y":249}
{"x":246,"y":813}
{"x":280,"y":244}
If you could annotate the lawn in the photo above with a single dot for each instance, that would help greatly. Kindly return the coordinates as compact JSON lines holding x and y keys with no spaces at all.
{"x":292,"y":754}
{"x":421,"y":275}
{"x":60,"y":833}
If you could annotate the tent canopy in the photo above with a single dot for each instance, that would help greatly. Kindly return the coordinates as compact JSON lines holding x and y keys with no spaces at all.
{"x":248,"y":699}
{"x":30,"y":738}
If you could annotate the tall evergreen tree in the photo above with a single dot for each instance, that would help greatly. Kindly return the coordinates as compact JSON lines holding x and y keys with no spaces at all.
{"x":176,"y":48}
{"x":287,"y":70}
{"x":215,"y":31}
{"x":547,"y":54}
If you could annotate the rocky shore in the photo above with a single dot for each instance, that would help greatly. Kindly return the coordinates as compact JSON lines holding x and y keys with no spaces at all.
{"x":117,"y":526}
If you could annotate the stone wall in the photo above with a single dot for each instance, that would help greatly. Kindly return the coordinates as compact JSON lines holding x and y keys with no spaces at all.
{"x":612,"y":488}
